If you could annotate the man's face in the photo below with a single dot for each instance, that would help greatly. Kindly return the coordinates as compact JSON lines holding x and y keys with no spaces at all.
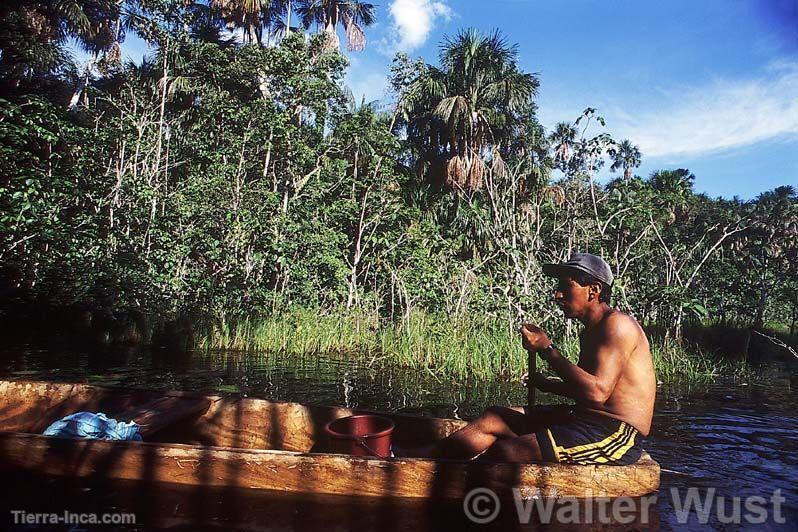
{"x":571,"y":297}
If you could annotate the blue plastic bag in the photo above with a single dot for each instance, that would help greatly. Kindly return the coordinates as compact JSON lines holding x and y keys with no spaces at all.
{"x":94,"y":426}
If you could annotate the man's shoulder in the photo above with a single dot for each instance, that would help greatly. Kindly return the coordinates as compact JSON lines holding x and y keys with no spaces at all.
{"x":619,"y":324}
{"x":617,"y":318}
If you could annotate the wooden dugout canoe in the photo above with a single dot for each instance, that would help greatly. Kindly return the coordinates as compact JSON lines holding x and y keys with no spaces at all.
{"x":235,"y":442}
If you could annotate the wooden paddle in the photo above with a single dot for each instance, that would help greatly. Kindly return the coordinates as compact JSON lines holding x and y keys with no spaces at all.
{"x":531,"y":368}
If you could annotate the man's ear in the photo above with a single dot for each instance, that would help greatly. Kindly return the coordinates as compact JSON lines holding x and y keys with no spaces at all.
{"x":594,"y":291}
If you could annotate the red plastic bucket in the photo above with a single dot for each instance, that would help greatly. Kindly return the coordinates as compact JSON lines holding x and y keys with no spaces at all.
{"x":361,"y":435}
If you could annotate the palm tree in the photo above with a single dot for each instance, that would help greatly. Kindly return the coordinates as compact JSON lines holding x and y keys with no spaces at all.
{"x":281,"y":21}
{"x":677,"y":184}
{"x":562,"y":141}
{"x":470,"y":106}
{"x":328,"y":14}
{"x":625,"y":155}
{"x":674,"y":190}
{"x":33,"y":34}
{"x":252,"y":16}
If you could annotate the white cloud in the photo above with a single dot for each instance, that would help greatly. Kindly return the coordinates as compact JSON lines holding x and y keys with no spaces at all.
{"x":372,"y":86}
{"x":413,"y":21}
{"x":718,"y":116}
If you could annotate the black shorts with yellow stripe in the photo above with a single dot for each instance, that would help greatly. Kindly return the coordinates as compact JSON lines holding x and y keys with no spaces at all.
{"x":587,"y":438}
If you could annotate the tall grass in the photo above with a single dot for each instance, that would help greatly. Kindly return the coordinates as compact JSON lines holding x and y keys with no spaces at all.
{"x":299,"y":331}
{"x":466,"y":347}
{"x":690,"y":363}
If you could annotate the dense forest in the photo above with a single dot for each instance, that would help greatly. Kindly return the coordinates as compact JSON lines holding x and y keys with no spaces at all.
{"x":232,"y":174}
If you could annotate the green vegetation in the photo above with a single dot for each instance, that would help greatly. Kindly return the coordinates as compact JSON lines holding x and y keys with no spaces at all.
{"x":231,"y":179}
{"x":433,"y":343}
{"x":422,"y":341}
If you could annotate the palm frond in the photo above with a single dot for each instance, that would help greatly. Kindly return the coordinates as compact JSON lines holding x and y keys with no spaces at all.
{"x":355,"y":37}
{"x":456,"y":172}
{"x":362,"y":13}
{"x":74,"y":15}
{"x":476,"y":172}
{"x":498,"y":166}
{"x":451,"y":109}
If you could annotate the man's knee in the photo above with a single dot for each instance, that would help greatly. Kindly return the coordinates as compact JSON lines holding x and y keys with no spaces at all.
{"x":495,"y":411}
{"x":496,"y":414}
{"x":492,"y":420}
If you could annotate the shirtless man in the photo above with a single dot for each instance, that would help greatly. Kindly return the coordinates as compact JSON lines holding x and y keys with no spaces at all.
{"x":613,"y":386}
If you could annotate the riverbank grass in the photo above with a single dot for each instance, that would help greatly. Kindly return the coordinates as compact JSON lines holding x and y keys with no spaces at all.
{"x":482,"y":349}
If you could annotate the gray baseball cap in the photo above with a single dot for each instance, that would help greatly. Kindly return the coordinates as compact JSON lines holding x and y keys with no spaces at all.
{"x":583,"y":262}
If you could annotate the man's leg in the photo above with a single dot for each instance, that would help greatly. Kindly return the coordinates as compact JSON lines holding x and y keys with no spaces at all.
{"x":496,"y":423}
{"x":523,"y":449}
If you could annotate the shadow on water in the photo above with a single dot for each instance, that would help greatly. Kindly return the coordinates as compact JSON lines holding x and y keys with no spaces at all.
{"x":740,"y":440}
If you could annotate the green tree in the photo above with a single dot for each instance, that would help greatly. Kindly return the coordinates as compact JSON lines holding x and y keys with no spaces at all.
{"x":771,"y":243}
{"x":626,"y":156}
{"x":562,"y":141}
{"x":33,"y":35}
{"x":469,"y":106}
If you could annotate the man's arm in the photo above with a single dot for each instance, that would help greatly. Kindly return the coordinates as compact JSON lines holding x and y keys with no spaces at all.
{"x":556,"y":387}
{"x":611,"y":351}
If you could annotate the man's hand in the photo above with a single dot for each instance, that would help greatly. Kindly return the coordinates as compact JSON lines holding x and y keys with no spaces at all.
{"x":533,"y":338}
{"x":538,"y":381}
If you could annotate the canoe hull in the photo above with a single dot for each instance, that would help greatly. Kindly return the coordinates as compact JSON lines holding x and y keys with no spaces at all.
{"x":306,"y":472}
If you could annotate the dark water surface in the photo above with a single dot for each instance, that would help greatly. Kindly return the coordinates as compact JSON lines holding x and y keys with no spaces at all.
{"x":727,"y":440}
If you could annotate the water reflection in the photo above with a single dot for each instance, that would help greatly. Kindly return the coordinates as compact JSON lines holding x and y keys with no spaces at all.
{"x":740,"y":440}
{"x":183,"y":508}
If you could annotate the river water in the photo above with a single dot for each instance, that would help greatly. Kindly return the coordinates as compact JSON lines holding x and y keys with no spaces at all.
{"x":714,"y":442}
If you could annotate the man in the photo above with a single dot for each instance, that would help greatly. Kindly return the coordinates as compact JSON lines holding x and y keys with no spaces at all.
{"x":613,"y":386}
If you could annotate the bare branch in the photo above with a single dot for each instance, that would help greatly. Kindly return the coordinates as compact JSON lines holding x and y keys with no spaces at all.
{"x":779,"y":343}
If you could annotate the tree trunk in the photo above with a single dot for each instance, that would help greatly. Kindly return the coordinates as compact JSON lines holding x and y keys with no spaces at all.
{"x":747,"y":343}
{"x":760,"y":308}
{"x":678,"y":326}
{"x":73,"y":102}
{"x":84,"y":83}
{"x":268,"y":159}
{"x":352,"y":299}
{"x":162,"y":110}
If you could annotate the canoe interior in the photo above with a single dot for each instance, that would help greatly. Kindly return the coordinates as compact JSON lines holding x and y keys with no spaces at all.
{"x":240,"y":422}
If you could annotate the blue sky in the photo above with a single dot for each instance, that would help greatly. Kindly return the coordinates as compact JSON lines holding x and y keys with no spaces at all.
{"x":710,"y":85}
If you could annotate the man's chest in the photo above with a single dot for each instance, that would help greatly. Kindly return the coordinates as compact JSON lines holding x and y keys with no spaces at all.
{"x":587,"y":353}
